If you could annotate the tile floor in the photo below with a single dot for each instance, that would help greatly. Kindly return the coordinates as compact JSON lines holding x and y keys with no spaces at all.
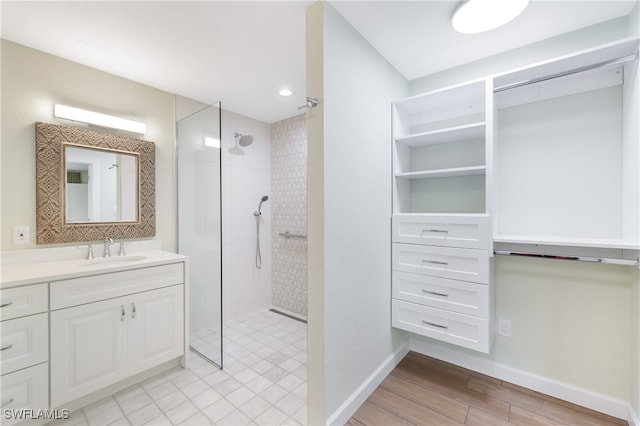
{"x":264,"y":382}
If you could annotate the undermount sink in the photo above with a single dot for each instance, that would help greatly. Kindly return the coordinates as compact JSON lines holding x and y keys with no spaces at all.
{"x":114,"y":259}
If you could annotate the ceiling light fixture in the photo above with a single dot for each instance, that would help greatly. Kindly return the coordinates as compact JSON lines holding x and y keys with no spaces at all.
{"x":285,"y":92}
{"x":98,"y":119}
{"x":478,"y":16}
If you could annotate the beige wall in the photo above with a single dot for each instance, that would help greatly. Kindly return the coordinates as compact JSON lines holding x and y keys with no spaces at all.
{"x":32,"y":82}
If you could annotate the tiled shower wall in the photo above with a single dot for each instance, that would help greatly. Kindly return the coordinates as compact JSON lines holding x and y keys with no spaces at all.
{"x":289,"y":213}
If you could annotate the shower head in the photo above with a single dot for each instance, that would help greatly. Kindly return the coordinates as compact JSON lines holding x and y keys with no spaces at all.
{"x":243,"y":140}
{"x":259,"y":211}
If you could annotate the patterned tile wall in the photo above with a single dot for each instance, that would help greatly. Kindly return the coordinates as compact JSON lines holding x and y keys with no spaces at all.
{"x":289,"y":213}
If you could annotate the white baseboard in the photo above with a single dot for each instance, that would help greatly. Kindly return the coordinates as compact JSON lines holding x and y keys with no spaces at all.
{"x":633,"y":419}
{"x":565,"y":391}
{"x":360,"y":395}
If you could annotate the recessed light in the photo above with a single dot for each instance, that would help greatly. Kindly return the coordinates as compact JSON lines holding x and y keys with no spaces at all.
{"x":478,"y":16}
{"x":285,"y":92}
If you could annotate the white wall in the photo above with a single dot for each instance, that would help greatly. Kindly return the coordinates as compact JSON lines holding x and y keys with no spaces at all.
{"x":32,"y":82}
{"x":349,"y":209}
{"x":245,"y":180}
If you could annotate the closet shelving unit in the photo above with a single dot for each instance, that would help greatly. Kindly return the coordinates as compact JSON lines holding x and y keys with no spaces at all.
{"x":573,"y":181}
{"x":544,"y":159}
{"x":441,"y":228}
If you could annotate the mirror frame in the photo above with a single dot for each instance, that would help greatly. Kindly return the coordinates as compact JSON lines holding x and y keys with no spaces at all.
{"x":51,"y":226}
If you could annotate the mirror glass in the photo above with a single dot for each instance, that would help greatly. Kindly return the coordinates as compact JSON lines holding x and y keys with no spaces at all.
{"x":100,"y":185}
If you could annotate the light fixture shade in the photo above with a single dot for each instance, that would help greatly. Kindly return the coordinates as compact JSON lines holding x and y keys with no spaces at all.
{"x":98,"y":119}
{"x":477,"y":16}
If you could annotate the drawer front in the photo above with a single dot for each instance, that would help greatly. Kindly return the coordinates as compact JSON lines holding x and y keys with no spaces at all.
{"x":21,"y":301}
{"x":93,"y":288}
{"x":448,"y":231}
{"x":25,"y":389}
{"x":24,"y":342}
{"x":458,"y":296}
{"x":453,"y":263}
{"x":458,"y":329}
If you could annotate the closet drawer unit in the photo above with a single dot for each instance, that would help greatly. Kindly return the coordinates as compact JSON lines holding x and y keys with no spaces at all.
{"x":24,"y":342}
{"x":78,"y":291}
{"x":453,"y":263}
{"x":458,"y":329}
{"x":25,"y":389}
{"x":21,"y":301}
{"x":457,"y":296}
{"x":447,"y":230}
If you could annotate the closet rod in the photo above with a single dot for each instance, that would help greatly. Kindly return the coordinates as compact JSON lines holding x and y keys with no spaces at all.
{"x":626,"y":262}
{"x":616,"y":61}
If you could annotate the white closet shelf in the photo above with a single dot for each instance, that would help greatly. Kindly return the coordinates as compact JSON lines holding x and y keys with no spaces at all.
{"x":451,"y":134}
{"x":444,"y":173}
{"x":613,"y":243}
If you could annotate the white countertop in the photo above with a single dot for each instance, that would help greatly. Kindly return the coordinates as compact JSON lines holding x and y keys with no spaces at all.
{"x":46,"y":265}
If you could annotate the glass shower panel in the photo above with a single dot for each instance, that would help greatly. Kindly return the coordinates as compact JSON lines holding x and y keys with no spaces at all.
{"x":199,"y":227}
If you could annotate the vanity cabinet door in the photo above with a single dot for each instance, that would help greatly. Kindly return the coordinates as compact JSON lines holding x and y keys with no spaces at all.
{"x":88,"y":349}
{"x":156,"y":330}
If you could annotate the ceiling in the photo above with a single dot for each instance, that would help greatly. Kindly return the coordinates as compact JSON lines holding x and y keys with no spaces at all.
{"x":242,"y":52}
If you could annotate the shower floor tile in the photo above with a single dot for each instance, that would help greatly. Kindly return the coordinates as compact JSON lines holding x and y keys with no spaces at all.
{"x":264,"y":381}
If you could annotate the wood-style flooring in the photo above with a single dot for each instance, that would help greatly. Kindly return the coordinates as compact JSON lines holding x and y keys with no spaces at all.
{"x":426,"y":391}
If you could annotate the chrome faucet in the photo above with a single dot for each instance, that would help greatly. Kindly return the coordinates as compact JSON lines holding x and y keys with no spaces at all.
{"x":122,"y":252}
{"x":107,"y":244}
{"x":89,"y":248}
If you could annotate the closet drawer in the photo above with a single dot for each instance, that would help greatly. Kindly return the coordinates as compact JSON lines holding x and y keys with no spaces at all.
{"x":25,"y":389}
{"x":457,"y":296}
{"x":458,"y":329}
{"x":21,"y":301}
{"x":24,"y":342}
{"x":448,"y":230}
{"x":93,"y":288}
{"x":453,"y":263}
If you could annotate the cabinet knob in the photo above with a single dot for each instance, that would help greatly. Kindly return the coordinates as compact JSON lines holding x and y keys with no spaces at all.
{"x":123,"y":314}
{"x":6,"y":347}
{"x":4,"y":305}
{"x":133,"y":310}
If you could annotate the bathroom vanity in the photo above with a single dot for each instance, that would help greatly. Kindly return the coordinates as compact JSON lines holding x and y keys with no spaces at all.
{"x":73,"y":328}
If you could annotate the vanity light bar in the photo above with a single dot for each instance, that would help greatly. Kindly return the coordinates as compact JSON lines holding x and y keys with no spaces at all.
{"x":98,"y":119}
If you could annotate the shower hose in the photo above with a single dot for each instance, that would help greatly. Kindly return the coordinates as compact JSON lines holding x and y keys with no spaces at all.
{"x":258,"y":254}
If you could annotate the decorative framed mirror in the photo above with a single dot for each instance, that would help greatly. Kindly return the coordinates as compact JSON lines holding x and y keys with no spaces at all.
{"x":91,"y":186}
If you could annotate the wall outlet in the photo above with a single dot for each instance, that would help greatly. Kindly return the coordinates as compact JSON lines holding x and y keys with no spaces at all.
{"x":504,"y":327}
{"x":20,"y":234}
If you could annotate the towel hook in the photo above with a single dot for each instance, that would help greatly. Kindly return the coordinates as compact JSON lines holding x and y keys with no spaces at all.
{"x":311,"y":103}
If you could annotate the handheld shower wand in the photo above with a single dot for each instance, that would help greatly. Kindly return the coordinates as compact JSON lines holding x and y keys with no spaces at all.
{"x":259,"y":211}
{"x":257,"y":214}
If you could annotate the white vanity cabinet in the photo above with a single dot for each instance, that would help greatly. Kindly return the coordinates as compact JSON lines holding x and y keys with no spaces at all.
{"x":24,"y":348}
{"x":97,"y":341}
